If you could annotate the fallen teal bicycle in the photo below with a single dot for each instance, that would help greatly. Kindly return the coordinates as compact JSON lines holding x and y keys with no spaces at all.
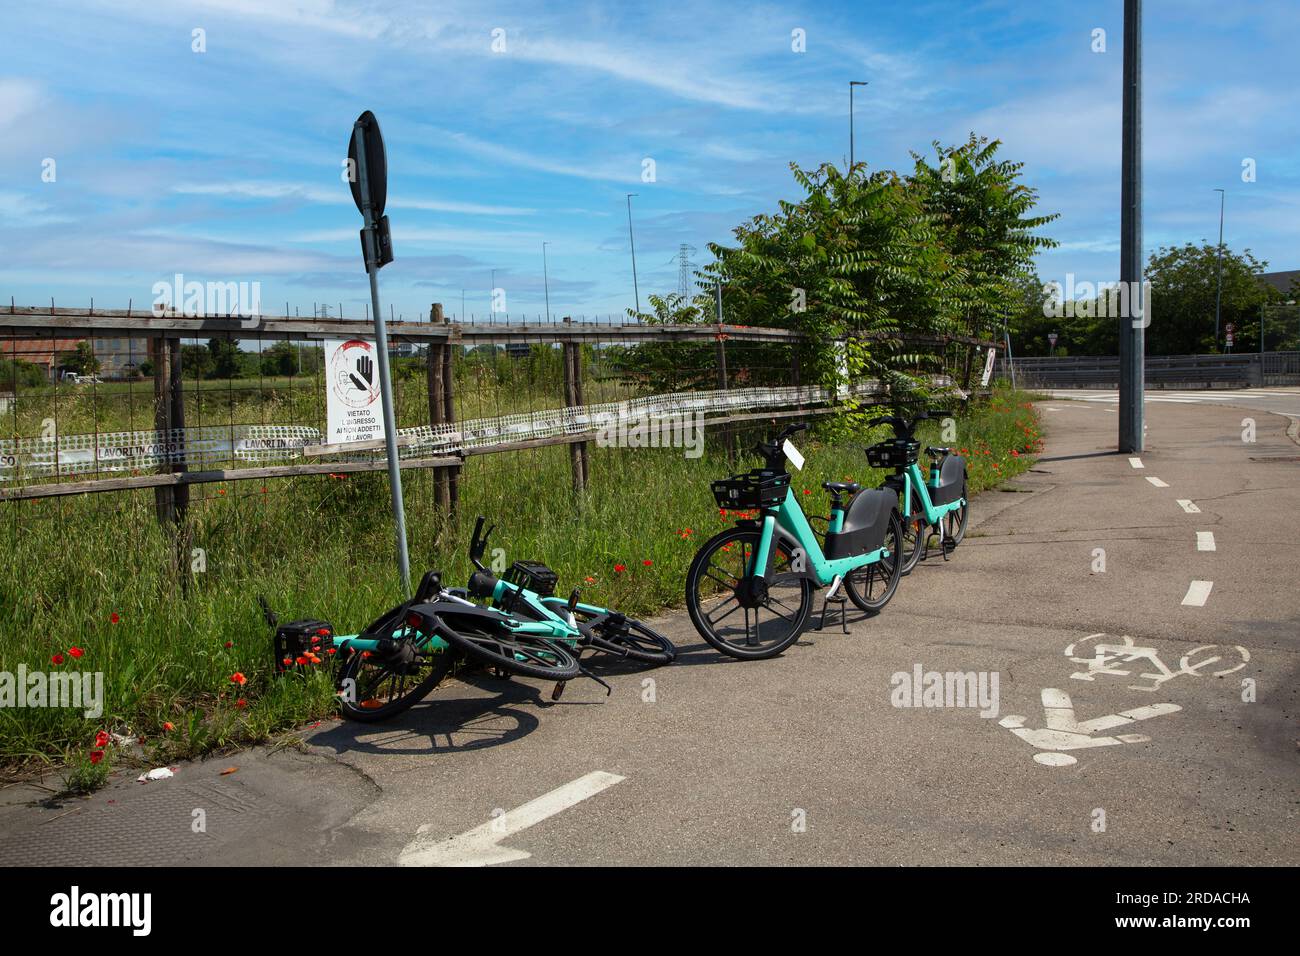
{"x":934,"y":506}
{"x":749,"y":590}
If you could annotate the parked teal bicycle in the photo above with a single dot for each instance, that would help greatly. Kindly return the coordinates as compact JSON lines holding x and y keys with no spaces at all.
{"x":749,"y":590}
{"x":937,"y":506}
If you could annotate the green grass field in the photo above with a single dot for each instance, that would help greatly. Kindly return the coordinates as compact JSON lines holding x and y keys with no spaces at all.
{"x":96,"y":572}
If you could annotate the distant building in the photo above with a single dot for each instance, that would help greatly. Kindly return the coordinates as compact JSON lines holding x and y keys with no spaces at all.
{"x":45,"y":353}
{"x":120,"y":357}
{"x":1281,"y":280}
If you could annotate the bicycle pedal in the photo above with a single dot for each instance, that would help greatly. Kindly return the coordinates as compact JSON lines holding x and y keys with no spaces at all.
{"x":558,"y":690}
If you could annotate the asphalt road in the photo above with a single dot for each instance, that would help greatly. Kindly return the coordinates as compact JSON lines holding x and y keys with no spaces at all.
{"x":1169,"y":738}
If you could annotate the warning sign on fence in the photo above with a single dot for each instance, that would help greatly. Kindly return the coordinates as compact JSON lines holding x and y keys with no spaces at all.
{"x":353,"y":410}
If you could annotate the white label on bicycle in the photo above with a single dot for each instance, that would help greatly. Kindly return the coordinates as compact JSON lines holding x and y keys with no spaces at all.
{"x":792,"y":453}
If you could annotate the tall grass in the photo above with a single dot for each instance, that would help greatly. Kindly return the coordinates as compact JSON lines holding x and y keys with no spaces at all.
{"x":99,"y":574}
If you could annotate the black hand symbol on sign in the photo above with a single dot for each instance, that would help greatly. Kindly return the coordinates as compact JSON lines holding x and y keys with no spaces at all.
{"x":366,"y":369}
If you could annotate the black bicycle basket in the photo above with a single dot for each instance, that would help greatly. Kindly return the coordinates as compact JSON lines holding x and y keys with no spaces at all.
{"x":896,"y":453}
{"x":755,"y":489}
{"x":534,"y":576}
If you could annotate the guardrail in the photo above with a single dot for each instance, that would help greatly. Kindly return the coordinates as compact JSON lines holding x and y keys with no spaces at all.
{"x":1162,"y":371}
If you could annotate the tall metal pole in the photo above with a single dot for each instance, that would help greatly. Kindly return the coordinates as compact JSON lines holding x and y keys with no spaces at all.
{"x":852,"y":83}
{"x":636,"y":289}
{"x":385,"y":382}
{"x":1132,"y":333}
{"x":546,"y":282}
{"x":1218,"y":295}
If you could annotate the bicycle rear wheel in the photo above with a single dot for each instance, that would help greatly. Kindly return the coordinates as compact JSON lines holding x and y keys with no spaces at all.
{"x":954,"y":527}
{"x":378,"y":685}
{"x":871,"y":586}
{"x":746,"y":617}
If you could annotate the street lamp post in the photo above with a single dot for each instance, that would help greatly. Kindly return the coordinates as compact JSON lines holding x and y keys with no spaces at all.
{"x":1218,"y":295}
{"x":852,"y":83}
{"x":546,"y":282}
{"x":636,"y":289}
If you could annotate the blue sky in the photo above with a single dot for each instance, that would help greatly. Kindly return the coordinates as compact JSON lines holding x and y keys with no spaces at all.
{"x":225,"y":165}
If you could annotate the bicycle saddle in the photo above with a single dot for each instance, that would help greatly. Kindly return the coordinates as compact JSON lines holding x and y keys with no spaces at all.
{"x":841,"y":487}
{"x":934,"y":451}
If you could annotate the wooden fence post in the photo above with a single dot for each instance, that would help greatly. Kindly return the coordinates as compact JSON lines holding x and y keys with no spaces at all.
{"x":720,"y":354}
{"x":578,"y":458}
{"x":171,"y":501}
{"x":440,"y":372}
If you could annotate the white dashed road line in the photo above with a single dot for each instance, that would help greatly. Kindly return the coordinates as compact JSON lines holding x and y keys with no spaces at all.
{"x":1157,"y":482}
{"x":1198,"y":592}
{"x":1136,"y":462}
{"x":1205,"y":541}
{"x":1189,"y":506}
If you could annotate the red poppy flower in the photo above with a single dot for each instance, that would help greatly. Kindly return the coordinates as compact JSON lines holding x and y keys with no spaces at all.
{"x":302,"y":661}
{"x":331,"y":650}
{"x":113,"y":618}
{"x":230,"y":644}
{"x":75,"y":651}
{"x":56,"y":659}
{"x":287,"y":662}
{"x":168,"y":726}
{"x":241,"y":703}
{"x":590,"y":580}
{"x":102,"y":739}
{"x":619,"y":568}
{"x":96,"y":756}
{"x":647,"y":562}
{"x":238,"y":678}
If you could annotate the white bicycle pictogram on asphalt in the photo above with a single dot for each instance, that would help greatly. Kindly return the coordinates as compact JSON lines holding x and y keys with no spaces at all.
{"x":1112,"y":656}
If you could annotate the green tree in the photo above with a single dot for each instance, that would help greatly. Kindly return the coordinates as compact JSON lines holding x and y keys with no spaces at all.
{"x":81,"y":360}
{"x":1184,"y":281}
{"x":227,"y":358}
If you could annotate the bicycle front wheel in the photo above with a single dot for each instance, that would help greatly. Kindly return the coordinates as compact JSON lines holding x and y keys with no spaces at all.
{"x":743,"y":616}
{"x":527,"y":657}
{"x":627,"y":637}
{"x":377,"y":686}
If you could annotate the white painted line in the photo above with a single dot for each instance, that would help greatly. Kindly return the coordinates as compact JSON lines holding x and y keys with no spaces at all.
{"x":1189,"y":506}
{"x":1157,"y":482}
{"x":1205,"y":541}
{"x":1136,"y":462}
{"x":1198,"y":592}
{"x":478,"y":847}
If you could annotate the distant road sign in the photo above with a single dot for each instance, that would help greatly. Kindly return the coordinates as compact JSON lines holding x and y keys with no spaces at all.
{"x":1051,"y":339}
{"x":376,"y":165}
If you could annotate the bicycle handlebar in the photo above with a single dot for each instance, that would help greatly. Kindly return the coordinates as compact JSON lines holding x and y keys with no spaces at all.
{"x":904,"y":428}
{"x":478,"y":543}
{"x":773,"y":453}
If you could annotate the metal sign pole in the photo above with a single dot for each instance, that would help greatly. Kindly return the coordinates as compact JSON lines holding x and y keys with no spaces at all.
{"x":385,"y":381}
{"x":1132,"y":334}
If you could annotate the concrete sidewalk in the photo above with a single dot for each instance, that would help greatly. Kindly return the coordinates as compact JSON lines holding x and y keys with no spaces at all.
{"x":1140,"y":745}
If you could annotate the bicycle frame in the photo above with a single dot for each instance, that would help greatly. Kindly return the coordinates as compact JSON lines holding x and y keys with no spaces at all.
{"x":914,"y":482}
{"x":790,"y":518}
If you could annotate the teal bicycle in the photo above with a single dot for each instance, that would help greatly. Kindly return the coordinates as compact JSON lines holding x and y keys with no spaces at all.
{"x":749,"y":590}
{"x":937,"y":506}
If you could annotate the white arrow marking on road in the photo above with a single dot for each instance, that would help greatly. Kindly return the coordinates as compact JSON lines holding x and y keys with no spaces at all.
{"x":1136,"y":462}
{"x":478,"y":847}
{"x":1063,"y":732}
{"x":1157,"y":482}
{"x":1205,"y":541}
{"x":1189,"y":506}
{"x":1198,"y":592}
